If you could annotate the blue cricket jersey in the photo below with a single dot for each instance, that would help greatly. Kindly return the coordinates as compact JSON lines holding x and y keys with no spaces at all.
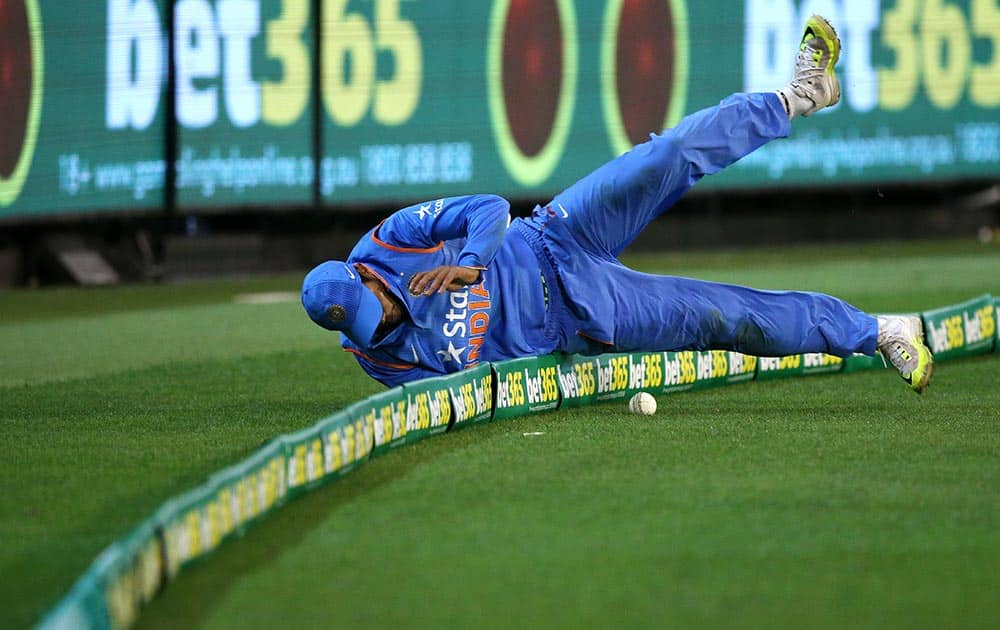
{"x":589,"y":302}
{"x":503,"y":316}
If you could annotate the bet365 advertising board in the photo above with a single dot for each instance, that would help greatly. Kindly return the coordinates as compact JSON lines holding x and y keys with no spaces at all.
{"x":425,"y":98}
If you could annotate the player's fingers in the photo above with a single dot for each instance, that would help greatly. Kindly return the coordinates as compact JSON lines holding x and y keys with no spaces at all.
{"x":419,"y":282}
{"x":423,"y":281}
{"x":448,"y":280}
{"x":441,"y":279}
{"x":411,"y":286}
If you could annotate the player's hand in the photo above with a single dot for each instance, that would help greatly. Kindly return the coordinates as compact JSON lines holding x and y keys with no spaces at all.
{"x":441,"y":279}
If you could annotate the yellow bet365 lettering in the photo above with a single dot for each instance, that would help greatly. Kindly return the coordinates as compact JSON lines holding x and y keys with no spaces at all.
{"x":898,"y":84}
{"x":932,"y":45}
{"x":550,"y":383}
{"x":487,"y":387}
{"x":654,"y":370}
{"x":946,"y":52}
{"x":956,"y":335}
{"x":282,"y":102}
{"x":193,"y":523}
{"x":444,"y":404}
{"x":620,"y":378}
{"x":423,"y":411}
{"x":385,"y":421}
{"x":516,"y":388}
{"x":469,"y":399}
{"x":987,"y":325}
{"x":720,"y":364}
{"x":984,"y":82}
{"x":348,"y":35}
{"x":395,"y":99}
{"x":689,"y":374}
{"x":315,"y":468}
{"x":350,"y":442}
{"x":151,"y":566}
{"x":334,"y":458}
{"x":791,"y":362}
{"x":585,"y":378}
{"x":225,"y":512}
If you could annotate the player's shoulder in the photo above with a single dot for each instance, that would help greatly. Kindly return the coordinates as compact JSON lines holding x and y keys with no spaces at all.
{"x":430,"y":209}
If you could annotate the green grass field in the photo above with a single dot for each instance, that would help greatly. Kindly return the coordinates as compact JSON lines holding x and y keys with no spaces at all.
{"x":826,"y":501}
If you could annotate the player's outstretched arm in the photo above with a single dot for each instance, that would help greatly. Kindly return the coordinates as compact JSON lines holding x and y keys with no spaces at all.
{"x":479,"y":219}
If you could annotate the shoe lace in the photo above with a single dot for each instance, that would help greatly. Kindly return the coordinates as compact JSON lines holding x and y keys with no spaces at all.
{"x":805,"y":64}
{"x":899,"y":355}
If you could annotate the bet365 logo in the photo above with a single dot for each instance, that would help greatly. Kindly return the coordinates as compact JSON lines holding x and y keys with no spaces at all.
{"x":962,"y":330}
{"x":21,"y":73}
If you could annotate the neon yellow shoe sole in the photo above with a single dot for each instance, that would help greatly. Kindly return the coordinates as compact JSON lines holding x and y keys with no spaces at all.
{"x":920,"y":378}
{"x":818,"y":27}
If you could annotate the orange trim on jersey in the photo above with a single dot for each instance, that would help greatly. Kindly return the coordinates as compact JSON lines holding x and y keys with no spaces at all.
{"x":404,"y":250}
{"x":600,"y":341}
{"x":377,"y":275}
{"x":377,"y":362}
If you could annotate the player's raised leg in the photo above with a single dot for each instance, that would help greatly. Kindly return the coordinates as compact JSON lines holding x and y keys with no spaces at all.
{"x":607,"y":209}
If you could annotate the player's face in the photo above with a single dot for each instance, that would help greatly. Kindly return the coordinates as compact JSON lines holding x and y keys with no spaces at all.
{"x":392,"y":310}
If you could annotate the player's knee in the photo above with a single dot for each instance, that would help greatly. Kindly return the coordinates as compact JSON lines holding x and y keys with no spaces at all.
{"x":748,"y":336}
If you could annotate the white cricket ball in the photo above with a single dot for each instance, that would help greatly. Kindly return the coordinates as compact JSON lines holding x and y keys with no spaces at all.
{"x":643,"y":404}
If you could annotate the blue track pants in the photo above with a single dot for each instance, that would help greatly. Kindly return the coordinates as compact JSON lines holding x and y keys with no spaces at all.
{"x":586,"y":226}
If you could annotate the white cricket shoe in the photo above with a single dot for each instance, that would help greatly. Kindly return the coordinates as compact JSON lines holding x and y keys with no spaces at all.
{"x":901,"y":342}
{"x":815,"y":84}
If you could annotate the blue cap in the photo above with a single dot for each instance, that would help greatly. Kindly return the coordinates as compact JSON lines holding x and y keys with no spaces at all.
{"x":336,"y":299}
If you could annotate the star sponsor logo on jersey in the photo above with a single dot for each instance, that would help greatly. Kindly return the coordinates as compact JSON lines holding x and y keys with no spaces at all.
{"x":430,"y":209}
{"x":452,"y":354}
{"x":465,"y":325}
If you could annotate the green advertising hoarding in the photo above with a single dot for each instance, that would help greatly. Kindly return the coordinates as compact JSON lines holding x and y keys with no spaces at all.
{"x":344,"y":446}
{"x":526,"y":386}
{"x":393,"y":100}
{"x":577,"y":380}
{"x":82,"y":124}
{"x":428,"y":408}
{"x":388,"y":413}
{"x":961,"y":330}
{"x":471,"y":393}
{"x":244,"y":98}
{"x":996,"y":318}
{"x":525,"y":98}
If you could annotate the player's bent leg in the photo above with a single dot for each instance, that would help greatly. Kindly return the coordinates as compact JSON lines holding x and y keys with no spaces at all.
{"x":607,"y":209}
{"x":669,"y":313}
